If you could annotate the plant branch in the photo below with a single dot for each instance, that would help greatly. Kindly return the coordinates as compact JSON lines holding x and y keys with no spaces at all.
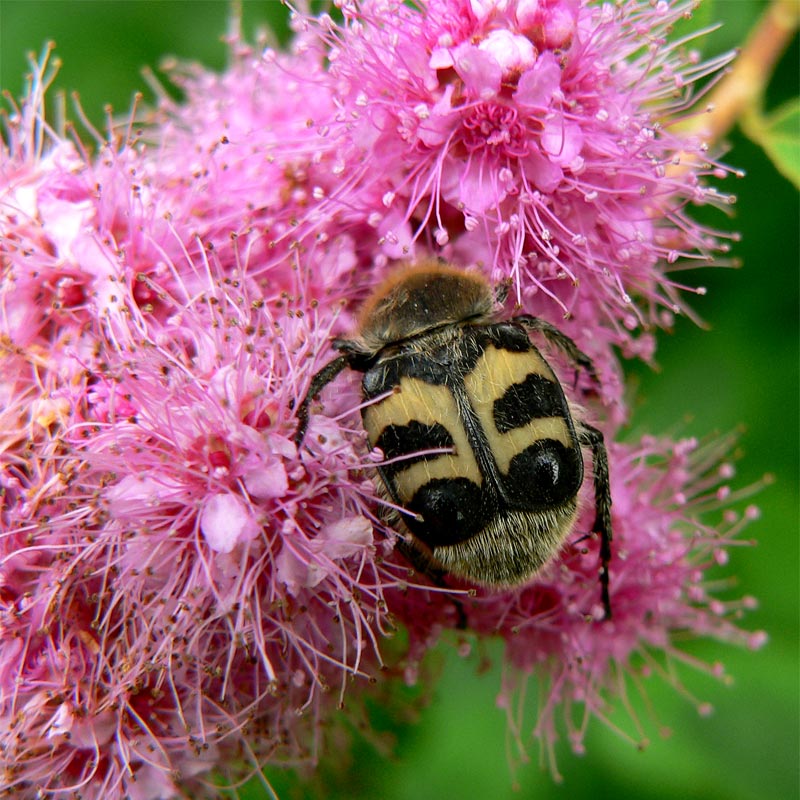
{"x":750,"y":73}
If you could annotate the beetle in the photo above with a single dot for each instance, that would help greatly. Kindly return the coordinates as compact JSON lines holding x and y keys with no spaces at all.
{"x":481,"y":446}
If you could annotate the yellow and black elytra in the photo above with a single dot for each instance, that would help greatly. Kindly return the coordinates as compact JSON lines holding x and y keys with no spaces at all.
{"x":479,"y":442}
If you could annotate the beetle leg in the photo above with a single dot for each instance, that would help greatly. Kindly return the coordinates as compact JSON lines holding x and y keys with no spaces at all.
{"x":561,"y":341}
{"x":602,"y":502}
{"x":318,"y":383}
{"x":424,"y":564}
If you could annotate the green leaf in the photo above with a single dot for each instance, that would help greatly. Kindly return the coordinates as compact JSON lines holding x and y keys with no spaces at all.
{"x":779,"y":134}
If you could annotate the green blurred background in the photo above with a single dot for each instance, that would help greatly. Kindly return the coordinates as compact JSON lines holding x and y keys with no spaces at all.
{"x":742,"y":371}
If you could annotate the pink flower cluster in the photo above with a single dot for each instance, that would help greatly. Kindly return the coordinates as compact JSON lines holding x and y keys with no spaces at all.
{"x":185,"y":597}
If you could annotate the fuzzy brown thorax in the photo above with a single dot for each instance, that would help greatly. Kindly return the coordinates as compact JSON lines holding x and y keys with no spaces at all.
{"x":415,"y":300}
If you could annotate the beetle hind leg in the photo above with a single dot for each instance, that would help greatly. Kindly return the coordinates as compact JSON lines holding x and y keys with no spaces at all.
{"x":593,"y":437}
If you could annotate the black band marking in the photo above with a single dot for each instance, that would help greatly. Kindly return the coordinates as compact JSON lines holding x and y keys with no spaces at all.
{"x":452,"y":510}
{"x":534,"y":398}
{"x":397,"y":441}
{"x":543,"y":475}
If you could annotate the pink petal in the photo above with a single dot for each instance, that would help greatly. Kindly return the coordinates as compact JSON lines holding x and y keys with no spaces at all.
{"x":537,"y":86}
{"x":562,"y":140}
{"x":297,"y":574}
{"x":225,"y":522}
{"x":131,"y":493}
{"x":510,"y":50}
{"x":267,"y":481}
{"x":345,"y":537}
{"x":541,"y":172}
{"x":477,"y":188}
{"x":479,"y":71}
{"x":441,"y":58}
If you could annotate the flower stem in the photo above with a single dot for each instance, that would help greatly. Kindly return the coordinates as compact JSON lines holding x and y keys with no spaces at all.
{"x":746,"y":81}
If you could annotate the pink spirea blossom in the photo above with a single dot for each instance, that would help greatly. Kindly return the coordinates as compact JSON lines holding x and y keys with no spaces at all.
{"x":534,"y":139}
{"x":185,"y":596}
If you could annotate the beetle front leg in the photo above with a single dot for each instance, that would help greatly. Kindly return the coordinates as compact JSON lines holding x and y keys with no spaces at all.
{"x":318,"y":383}
{"x":561,"y":341}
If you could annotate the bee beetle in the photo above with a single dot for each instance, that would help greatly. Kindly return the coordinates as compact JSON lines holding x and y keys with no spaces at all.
{"x":480,"y":446}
